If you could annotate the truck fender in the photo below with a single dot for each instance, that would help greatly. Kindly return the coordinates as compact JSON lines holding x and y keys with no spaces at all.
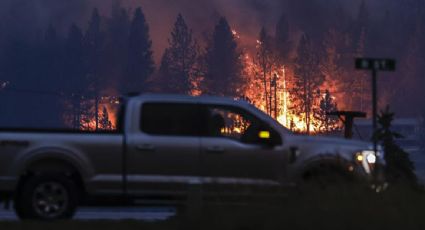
{"x":335,"y":162}
{"x":54,"y":154}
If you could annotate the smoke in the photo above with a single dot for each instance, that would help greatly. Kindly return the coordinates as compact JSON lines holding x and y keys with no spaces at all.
{"x":27,"y":19}
{"x":246,"y":16}
{"x":30,"y":17}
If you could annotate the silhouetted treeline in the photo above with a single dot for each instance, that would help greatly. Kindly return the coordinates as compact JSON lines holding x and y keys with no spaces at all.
{"x":52,"y":79}
{"x":60,"y":81}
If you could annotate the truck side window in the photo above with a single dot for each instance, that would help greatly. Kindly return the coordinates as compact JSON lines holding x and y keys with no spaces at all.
{"x":170,"y":119}
{"x":234,"y":123}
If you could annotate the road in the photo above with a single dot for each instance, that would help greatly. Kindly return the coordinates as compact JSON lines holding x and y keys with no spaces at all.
{"x":145,"y":214}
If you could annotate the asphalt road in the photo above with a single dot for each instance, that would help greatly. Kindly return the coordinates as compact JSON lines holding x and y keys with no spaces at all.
{"x":145,"y":214}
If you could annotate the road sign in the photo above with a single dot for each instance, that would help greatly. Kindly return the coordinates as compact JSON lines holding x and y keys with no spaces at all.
{"x":375,"y":64}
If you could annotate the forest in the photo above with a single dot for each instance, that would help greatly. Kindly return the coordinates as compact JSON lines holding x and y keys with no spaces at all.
{"x":295,"y":69}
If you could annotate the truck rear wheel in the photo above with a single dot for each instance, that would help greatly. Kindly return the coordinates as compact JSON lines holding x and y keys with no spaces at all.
{"x":47,"y":197}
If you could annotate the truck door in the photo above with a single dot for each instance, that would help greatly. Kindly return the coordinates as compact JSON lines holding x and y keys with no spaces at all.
{"x":164,"y":155}
{"x":233,"y":156}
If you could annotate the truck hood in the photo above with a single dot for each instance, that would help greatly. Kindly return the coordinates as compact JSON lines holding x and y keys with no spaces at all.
{"x":335,"y":141}
{"x":311,"y":146}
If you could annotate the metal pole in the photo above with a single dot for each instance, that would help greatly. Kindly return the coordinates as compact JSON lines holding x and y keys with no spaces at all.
{"x":375,"y":113}
{"x":374,"y":100}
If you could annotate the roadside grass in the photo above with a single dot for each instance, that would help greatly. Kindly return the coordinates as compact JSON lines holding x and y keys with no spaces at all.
{"x":397,"y":208}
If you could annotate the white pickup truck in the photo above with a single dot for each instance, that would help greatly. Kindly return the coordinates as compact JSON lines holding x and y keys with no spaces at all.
{"x":165,"y":145}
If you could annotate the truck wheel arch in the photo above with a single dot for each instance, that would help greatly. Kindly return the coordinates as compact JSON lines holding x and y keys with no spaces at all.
{"x":48,"y":161}
{"x":337,"y":165}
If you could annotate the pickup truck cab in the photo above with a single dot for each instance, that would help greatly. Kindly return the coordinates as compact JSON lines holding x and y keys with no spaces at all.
{"x":165,"y":146}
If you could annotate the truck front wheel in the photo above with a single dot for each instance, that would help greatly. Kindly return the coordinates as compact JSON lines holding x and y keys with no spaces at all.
{"x":329,"y":178}
{"x":46,"y":197}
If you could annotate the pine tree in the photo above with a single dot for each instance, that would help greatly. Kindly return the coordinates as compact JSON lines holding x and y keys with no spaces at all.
{"x":116,"y":45}
{"x":399,"y":168}
{"x":265,"y":61}
{"x":50,"y":109}
{"x":361,"y":81}
{"x":360,"y":25}
{"x":412,"y":66}
{"x":94,"y":45}
{"x":363,"y":15}
{"x":74,"y":78}
{"x":333,"y":53}
{"x":307,"y":80}
{"x":325,"y":122}
{"x":223,"y":63}
{"x":359,"y":85}
{"x":283,"y":41}
{"x":105,"y":122}
{"x":140,"y":65}
{"x":178,"y":66}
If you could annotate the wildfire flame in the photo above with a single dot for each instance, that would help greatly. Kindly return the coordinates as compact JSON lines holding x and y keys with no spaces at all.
{"x":281,"y":80}
{"x":107,"y":113}
{"x":281,"y":84}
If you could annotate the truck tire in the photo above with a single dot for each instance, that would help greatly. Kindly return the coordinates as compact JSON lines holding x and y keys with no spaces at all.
{"x":46,"y":197}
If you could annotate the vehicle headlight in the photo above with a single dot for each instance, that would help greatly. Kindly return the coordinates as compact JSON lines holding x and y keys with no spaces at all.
{"x":371,"y":158}
{"x":367,"y":159}
{"x":367,"y":155}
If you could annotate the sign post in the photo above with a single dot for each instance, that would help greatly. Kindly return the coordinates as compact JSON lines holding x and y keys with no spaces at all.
{"x":375,"y":65}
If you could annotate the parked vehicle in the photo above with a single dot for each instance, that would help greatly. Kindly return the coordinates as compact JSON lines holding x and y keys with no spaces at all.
{"x":164,"y":146}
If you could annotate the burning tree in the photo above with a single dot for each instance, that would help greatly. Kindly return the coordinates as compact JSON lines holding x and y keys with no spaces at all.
{"x":330,"y":64}
{"x":264,"y":64}
{"x":307,"y":81}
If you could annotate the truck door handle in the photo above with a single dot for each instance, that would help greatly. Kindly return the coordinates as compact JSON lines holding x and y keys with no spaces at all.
{"x":215,"y":150}
{"x":146,"y":148}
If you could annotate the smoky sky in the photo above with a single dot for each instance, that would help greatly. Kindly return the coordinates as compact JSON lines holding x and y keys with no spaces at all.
{"x":27,"y":19}
{"x":246,"y":16}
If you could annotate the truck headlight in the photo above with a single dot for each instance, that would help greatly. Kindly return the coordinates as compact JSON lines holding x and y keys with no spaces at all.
{"x":371,"y":158}
{"x":367,"y":155}
{"x":367,"y":159}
